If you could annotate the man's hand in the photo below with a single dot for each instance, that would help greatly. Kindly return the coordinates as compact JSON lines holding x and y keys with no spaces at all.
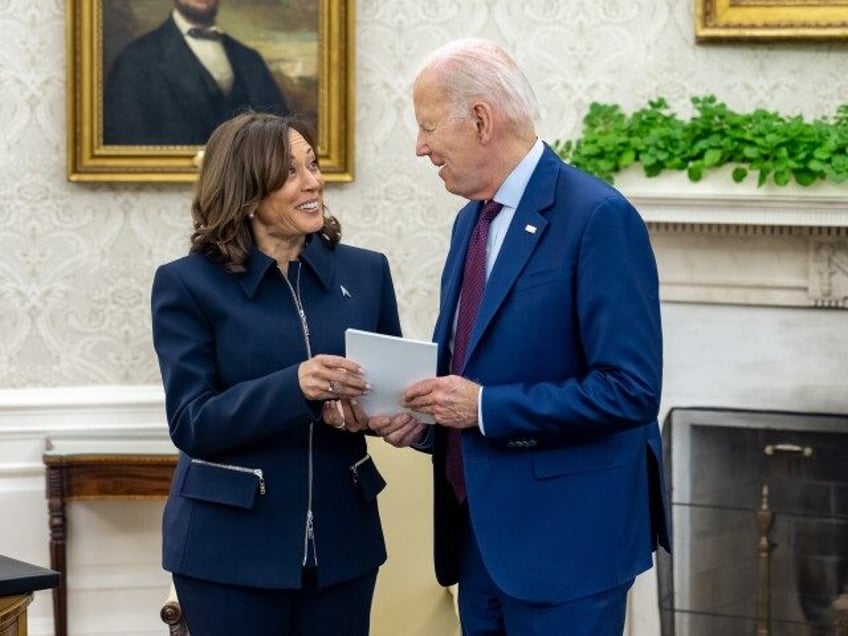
{"x":451,"y":400}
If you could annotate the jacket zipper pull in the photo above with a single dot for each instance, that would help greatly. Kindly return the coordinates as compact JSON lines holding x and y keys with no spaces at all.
{"x":355,"y":468}
{"x":310,"y":526}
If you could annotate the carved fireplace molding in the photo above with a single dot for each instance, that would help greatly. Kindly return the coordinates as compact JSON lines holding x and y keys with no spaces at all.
{"x":721,"y":242}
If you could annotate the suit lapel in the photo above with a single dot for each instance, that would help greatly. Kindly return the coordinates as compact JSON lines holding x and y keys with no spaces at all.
{"x":182,"y":69}
{"x":523,"y":235}
{"x":452,"y":280}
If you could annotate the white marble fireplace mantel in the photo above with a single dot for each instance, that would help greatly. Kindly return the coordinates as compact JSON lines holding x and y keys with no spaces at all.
{"x":721,"y":242}
{"x":749,"y":281}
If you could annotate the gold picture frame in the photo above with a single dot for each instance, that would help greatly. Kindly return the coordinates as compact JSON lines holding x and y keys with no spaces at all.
{"x":771,"y":19}
{"x":327,"y":93}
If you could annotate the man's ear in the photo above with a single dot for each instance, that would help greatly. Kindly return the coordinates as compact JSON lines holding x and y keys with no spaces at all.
{"x":482,"y":114}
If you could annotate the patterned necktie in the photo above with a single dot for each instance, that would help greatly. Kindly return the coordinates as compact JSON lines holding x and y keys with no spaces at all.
{"x":473,"y":282}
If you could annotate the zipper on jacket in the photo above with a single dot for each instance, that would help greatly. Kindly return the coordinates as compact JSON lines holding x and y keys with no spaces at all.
{"x":309,"y":530}
{"x":239,"y":469}
{"x":355,"y":468}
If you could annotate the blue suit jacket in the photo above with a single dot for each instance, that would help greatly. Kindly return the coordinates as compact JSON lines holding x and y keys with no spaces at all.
{"x":565,"y":490}
{"x":229,"y":347}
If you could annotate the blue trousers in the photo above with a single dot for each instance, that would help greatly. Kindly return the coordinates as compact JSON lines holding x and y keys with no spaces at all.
{"x":485,"y":610}
{"x":214,"y":609}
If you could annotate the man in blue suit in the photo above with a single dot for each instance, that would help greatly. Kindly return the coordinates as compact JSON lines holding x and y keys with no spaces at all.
{"x":558,"y":503}
{"x":175,"y":84}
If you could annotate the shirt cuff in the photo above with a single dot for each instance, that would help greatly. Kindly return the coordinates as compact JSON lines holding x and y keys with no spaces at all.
{"x":426,"y":442}
{"x":480,"y":411}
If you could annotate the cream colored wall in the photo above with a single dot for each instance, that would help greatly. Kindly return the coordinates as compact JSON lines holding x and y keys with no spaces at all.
{"x":76,"y":260}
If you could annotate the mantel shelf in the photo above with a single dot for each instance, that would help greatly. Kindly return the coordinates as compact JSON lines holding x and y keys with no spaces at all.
{"x":717,"y":199}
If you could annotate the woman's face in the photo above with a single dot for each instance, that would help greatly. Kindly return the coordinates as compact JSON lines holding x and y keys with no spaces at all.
{"x":297,"y":208}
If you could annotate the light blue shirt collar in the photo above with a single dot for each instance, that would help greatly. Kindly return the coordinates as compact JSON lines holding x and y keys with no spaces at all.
{"x":512,"y":189}
{"x":509,"y":194}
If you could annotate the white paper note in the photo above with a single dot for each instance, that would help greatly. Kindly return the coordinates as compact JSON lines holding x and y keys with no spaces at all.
{"x":391,"y":365}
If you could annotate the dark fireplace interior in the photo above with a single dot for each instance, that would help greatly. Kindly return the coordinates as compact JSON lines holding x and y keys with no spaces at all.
{"x":760,"y":519}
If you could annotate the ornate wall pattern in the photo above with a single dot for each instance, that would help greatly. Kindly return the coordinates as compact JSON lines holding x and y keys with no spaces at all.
{"x":76,"y":260}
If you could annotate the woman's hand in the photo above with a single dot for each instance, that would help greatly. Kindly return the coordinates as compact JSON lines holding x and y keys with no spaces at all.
{"x":326,"y":377}
{"x":399,"y":430}
{"x":346,"y":415}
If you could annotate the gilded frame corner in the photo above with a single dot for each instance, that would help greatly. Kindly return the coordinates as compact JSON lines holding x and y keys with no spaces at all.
{"x":90,"y":160}
{"x":771,"y":20}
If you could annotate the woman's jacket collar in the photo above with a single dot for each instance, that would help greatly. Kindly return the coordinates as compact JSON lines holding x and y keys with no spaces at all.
{"x":316,"y":255}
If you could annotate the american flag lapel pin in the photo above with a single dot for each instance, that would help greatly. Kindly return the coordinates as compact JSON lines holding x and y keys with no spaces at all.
{"x":531,"y":229}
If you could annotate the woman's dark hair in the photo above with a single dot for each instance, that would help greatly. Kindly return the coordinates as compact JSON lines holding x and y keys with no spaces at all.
{"x":246,"y":159}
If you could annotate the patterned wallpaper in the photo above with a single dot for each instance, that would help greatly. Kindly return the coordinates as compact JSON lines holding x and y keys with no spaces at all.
{"x":76,"y":260}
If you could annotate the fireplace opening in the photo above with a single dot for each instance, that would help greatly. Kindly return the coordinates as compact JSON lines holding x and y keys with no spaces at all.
{"x":759,"y":504}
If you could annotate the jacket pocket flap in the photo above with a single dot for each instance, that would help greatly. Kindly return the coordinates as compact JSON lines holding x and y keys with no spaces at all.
{"x":579,"y":459}
{"x":221,"y":484}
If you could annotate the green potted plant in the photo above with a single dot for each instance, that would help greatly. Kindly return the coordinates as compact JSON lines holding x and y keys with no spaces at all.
{"x":777,"y":148}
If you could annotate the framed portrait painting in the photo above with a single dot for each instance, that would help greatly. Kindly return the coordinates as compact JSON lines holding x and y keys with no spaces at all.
{"x":771,"y":19}
{"x":148,"y":80}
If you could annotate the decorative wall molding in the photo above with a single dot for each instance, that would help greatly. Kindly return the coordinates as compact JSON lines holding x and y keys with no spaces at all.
{"x":721,"y":242}
{"x":829,"y":270}
{"x":752,"y":264}
{"x":83,"y":408}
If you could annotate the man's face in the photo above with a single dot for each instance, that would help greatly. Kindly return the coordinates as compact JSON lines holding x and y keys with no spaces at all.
{"x":449,"y":141}
{"x":198,"y":11}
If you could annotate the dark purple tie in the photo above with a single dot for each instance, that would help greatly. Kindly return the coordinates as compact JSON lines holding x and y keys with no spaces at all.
{"x":473,"y":282}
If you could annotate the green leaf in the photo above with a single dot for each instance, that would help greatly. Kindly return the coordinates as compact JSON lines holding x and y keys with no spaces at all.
{"x":695,"y":172}
{"x":804,"y":177}
{"x":712,"y":157}
{"x":627,"y":158}
{"x":739,"y":174}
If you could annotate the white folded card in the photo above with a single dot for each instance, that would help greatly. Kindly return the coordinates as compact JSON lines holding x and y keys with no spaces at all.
{"x":391,"y":365}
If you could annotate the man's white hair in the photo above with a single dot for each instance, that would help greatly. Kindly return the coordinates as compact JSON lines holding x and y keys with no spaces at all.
{"x":478,"y":69}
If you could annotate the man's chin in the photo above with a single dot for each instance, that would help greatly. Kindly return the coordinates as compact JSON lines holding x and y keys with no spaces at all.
{"x":199,"y":16}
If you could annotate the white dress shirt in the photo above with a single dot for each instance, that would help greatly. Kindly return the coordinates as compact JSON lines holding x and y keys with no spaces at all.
{"x":211,"y":53}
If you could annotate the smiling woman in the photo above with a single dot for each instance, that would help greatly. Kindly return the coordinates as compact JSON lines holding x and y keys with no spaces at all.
{"x":249,"y":331}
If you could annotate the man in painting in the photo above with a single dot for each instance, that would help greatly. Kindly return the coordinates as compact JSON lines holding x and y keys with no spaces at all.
{"x":175,"y":84}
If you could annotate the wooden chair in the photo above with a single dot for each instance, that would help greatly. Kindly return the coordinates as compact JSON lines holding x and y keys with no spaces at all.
{"x":172,"y":614}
